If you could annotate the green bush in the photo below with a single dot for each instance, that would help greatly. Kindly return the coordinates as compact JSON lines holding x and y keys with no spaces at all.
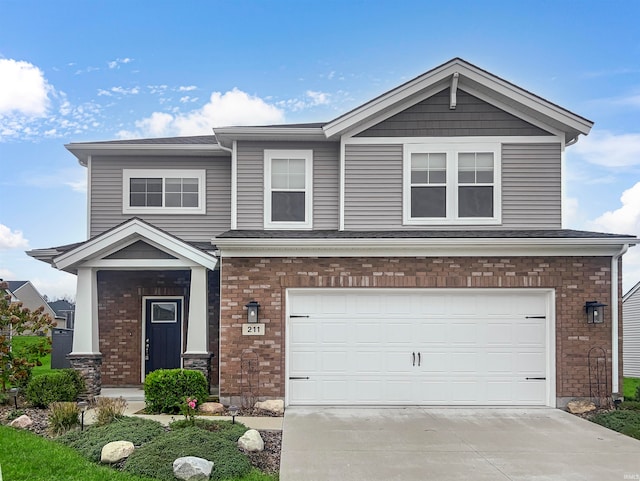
{"x":56,"y":386}
{"x":166,"y":389}
{"x":4,"y":398}
{"x":637,"y":394}
{"x":620,"y":421}
{"x":89,"y":442}
{"x":629,"y":406}
{"x":155,"y":459}
{"x":63,"y":417}
{"x":224,"y":429}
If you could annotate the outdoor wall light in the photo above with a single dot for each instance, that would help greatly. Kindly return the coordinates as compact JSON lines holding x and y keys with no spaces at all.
{"x":595,"y":312}
{"x":252,"y":311}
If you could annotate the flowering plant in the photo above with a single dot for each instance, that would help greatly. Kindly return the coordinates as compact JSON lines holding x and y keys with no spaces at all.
{"x":189,"y":408}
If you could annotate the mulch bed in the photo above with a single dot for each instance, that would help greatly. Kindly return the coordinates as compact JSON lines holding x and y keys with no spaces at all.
{"x":267,"y":460}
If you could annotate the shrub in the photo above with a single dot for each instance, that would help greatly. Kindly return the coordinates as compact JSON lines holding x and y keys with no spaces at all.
{"x":637,"y":394}
{"x":629,"y":406}
{"x":56,"y":386}
{"x":63,"y":417}
{"x":225,"y":429}
{"x":155,"y":458}
{"x":165,"y":389}
{"x":89,"y":442}
{"x":4,"y":398}
{"x":15,"y":414}
{"x":620,"y":421}
{"x":109,"y":409}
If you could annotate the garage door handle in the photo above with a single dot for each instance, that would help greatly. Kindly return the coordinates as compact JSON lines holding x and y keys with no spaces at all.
{"x":414,"y":358}
{"x":419,"y":359}
{"x":536,"y":378}
{"x":293,"y":378}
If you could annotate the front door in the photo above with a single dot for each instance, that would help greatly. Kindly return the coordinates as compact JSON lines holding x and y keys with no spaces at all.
{"x":162,"y":344}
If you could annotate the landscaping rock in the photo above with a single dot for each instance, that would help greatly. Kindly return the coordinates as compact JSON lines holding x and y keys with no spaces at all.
{"x":580,"y":406}
{"x":116,"y":451}
{"x":251,"y":441}
{"x":22,"y":422}
{"x":275,"y":406}
{"x":191,"y":468}
{"x":211,"y":408}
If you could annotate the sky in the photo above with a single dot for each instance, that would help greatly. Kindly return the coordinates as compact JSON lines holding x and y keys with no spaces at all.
{"x":76,"y":71}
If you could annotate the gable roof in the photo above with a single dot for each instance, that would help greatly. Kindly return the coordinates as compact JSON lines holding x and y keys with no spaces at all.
{"x":458,"y":73}
{"x":631,"y":292}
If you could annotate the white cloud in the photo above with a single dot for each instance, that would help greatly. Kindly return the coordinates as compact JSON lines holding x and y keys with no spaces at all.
{"x":610,"y":150}
{"x":6,"y":274}
{"x":118,"y":90}
{"x":188,"y":99}
{"x":312,"y":98}
{"x":11,"y":239}
{"x":234,"y":107}
{"x":23,"y":89}
{"x":624,"y":220}
{"x":119,"y":61}
{"x":187,"y":88}
{"x":56,"y":285}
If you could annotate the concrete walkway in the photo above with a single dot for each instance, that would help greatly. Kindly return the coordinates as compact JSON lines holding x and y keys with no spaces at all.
{"x":334,"y":444}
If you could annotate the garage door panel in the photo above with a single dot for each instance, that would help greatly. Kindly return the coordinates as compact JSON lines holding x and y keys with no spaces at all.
{"x":417,"y":347}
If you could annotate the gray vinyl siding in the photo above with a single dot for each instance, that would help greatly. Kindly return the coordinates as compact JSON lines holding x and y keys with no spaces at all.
{"x":326,"y":182}
{"x":433,"y":118}
{"x":106,"y":195}
{"x":531,"y":188}
{"x":140,"y":250}
{"x":631,"y":335}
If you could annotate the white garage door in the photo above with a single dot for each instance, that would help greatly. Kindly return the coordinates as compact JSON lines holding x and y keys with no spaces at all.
{"x":430,"y":346}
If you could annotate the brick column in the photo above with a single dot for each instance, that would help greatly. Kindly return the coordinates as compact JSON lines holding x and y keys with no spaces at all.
{"x":198,"y":362}
{"x":88,"y":365}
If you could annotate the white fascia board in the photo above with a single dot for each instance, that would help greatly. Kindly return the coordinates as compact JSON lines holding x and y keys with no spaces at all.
{"x":140,"y":264}
{"x":516,"y":139}
{"x":83,"y":151}
{"x":122,"y":236}
{"x":467,"y":247}
{"x":226,"y":135}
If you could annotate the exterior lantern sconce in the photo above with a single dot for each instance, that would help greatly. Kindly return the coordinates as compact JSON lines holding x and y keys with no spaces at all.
{"x":252,"y":312}
{"x":595,"y":312}
{"x":233,"y":411}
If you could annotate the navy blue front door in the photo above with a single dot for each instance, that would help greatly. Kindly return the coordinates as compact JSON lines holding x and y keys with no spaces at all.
{"x":163,"y":327}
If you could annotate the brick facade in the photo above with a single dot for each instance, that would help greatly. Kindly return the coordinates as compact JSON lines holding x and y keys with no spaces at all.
{"x":120,"y":296}
{"x":574,"y":279}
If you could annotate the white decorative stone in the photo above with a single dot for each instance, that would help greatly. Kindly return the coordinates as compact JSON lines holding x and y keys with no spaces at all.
{"x":191,"y":468}
{"x":211,"y":408}
{"x":580,"y":406}
{"x":251,"y":441}
{"x":116,"y":451}
{"x":22,"y":422}
{"x":275,"y":406}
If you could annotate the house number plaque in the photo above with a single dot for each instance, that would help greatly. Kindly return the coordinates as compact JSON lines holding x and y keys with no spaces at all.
{"x":253,"y":329}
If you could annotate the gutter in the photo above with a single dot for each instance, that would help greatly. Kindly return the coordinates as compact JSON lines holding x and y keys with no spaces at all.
{"x":615,"y":319}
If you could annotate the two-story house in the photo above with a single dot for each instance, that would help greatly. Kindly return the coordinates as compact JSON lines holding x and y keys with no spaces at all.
{"x":410,"y":251}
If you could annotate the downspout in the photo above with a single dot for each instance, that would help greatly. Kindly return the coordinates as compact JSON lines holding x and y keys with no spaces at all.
{"x":615,"y":314}
{"x":234,"y":183}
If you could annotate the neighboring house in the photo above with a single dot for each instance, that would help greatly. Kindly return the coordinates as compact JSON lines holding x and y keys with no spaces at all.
{"x":25,"y":292}
{"x":631,"y":330}
{"x":64,"y":310}
{"x":410,"y":251}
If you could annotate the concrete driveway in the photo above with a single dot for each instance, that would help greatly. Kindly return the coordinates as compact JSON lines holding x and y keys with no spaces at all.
{"x":369,"y":444}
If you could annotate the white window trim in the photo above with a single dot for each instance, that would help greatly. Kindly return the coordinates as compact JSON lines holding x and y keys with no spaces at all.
{"x":307,"y":155}
{"x":452,"y":150}
{"x":128,"y":174}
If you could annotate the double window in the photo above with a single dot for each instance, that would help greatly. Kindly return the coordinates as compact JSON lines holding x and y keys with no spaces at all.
{"x":163,"y":191}
{"x":288,"y":181}
{"x":451,"y":184}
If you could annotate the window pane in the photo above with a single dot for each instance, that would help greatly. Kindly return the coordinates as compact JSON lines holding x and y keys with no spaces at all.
{"x":164,"y":312}
{"x":279,"y":181}
{"x":296,"y":166}
{"x":467,"y":177}
{"x":296,"y":181}
{"x":279,"y":166}
{"x":475,"y":201}
{"x":419,"y":161}
{"x":172,"y":199}
{"x":287,"y":207}
{"x":154,"y":185}
{"x":438,"y":177}
{"x":137,"y":185}
{"x":190,"y":200}
{"x":189,"y":185}
{"x":437,"y":161}
{"x":154,"y":199}
{"x":419,"y":177}
{"x":137,"y":199}
{"x":173,"y":185}
{"x":428,"y":202}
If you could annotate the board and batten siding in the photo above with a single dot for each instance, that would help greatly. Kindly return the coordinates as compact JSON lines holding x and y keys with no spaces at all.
{"x":631,"y":334}
{"x":531,"y":188}
{"x":432,"y":117}
{"x":106,"y":196}
{"x":326,"y":182}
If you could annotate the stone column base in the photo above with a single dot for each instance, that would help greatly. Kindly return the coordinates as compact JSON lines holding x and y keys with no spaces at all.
{"x":199,"y":362}
{"x":88,"y":365}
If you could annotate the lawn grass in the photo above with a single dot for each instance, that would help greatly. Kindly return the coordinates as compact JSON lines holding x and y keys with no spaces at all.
{"x":629,"y":387}
{"x":25,"y":456}
{"x":18,"y":342}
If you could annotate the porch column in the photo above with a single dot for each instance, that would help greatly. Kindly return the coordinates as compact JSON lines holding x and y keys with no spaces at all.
{"x":85,"y":356}
{"x":197,"y":355}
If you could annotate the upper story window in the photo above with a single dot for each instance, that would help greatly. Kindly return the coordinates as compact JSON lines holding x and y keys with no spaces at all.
{"x":452,"y":184}
{"x":287,"y":192}
{"x":151,"y":191}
